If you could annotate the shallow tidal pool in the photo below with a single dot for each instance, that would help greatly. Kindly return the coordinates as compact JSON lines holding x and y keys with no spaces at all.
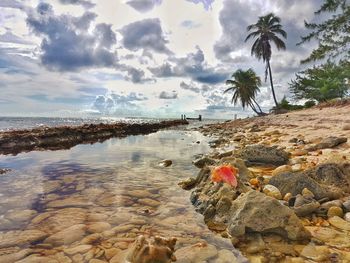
{"x":92,"y":201}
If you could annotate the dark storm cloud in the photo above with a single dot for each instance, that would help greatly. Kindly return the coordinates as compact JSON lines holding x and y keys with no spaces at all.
{"x":234,"y":18}
{"x":86,"y":4}
{"x":143,"y":5}
{"x":146,"y":34}
{"x":70,"y":43}
{"x":192,"y":66}
{"x":168,"y":95}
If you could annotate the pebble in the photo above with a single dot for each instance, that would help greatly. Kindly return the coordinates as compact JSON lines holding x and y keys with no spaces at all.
{"x":149,"y":202}
{"x":299,"y":152}
{"x":339,"y":223}
{"x":346,"y":205}
{"x":165,"y":163}
{"x":287,"y":197}
{"x":281,"y":169}
{"x":335,"y":211}
{"x":78,"y":249}
{"x":226,"y":256}
{"x":67,"y":236}
{"x":98,"y":227}
{"x":347,"y":217}
{"x":272,"y":191}
{"x":297,"y":167}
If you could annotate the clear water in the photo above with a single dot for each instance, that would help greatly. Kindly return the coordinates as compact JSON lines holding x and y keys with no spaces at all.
{"x":96,"y":180}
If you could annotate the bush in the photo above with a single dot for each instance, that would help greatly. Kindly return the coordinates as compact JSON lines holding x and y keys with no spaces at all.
{"x":309,"y":104}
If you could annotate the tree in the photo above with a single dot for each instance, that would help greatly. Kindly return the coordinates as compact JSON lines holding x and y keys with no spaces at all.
{"x":266,"y":30}
{"x":322,"y":83}
{"x":333,"y":34}
{"x":245,"y":86}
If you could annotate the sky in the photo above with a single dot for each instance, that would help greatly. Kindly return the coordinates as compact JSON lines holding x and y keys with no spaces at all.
{"x":150,"y":58}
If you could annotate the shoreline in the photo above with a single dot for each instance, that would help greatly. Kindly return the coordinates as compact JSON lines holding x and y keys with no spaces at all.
{"x":278,"y":156}
{"x":66,"y":137}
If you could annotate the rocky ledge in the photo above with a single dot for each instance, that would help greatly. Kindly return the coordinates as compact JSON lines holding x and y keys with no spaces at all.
{"x":65,"y":137}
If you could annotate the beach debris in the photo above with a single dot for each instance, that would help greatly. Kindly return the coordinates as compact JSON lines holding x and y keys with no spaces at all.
{"x":165,"y":163}
{"x":225,"y":173}
{"x":154,"y":249}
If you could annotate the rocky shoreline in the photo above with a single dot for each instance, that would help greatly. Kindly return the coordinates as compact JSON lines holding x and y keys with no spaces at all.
{"x":65,"y":137}
{"x":292,"y":198}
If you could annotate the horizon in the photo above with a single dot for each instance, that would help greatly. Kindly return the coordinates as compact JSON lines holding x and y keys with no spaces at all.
{"x":81,"y":58}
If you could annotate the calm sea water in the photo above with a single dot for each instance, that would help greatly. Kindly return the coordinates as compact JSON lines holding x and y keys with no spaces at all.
{"x":115,"y":188}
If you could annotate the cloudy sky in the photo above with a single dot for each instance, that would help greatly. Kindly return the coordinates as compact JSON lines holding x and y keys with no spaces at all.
{"x":158,"y":58}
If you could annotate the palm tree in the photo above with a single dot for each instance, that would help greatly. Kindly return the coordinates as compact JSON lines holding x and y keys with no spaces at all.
{"x":266,"y":30}
{"x":245,"y":86}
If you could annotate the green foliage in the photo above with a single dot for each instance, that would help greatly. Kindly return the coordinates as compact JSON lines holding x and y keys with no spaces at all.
{"x":322,"y":83}
{"x":309,"y":104}
{"x":333,"y":34}
{"x":284,"y":104}
{"x":244,"y":85}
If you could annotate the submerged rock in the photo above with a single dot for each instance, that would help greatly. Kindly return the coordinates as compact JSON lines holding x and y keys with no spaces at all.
{"x":200,"y":252}
{"x":165,"y":163}
{"x":67,"y":236}
{"x":256,"y":212}
{"x":258,"y":153}
{"x":156,"y":249}
{"x":19,"y":238}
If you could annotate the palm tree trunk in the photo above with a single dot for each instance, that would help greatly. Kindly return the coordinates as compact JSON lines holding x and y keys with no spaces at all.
{"x":253,"y":108}
{"x":257,"y":105}
{"x":273,"y":90}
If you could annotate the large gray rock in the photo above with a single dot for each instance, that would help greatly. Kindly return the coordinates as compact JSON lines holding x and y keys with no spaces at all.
{"x":255,"y":212}
{"x":337,"y":175}
{"x":329,"y":142}
{"x":258,"y":153}
{"x":294,"y":183}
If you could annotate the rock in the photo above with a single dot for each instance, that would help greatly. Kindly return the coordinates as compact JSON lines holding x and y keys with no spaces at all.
{"x":3,"y":171}
{"x":281,"y":169}
{"x":339,"y":223}
{"x":332,"y":174}
{"x":54,"y":221}
{"x":256,"y":212}
{"x":304,"y":205}
{"x":149,"y":202}
{"x":156,"y":249}
{"x":15,"y":257}
{"x":299,"y":152}
{"x":329,"y":204}
{"x":200,"y":252}
{"x":21,"y":216}
{"x":272,"y":191}
{"x":263,"y":154}
{"x":335,"y":211}
{"x":188,"y":184}
{"x":226,"y":256}
{"x":165,"y":163}
{"x":225,"y":154}
{"x":94,"y":260}
{"x":98,"y":227}
{"x":347,"y":217}
{"x":204,"y":161}
{"x":294,"y":183}
{"x":91,"y":239}
{"x":346,"y":205}
{"x":77,"y":249}
{"x":19,"y":238}
{"x":38,"y":259}
{"x":139,"y":193}
{"x":329,"y":142}
{"x":70,"y":202}
{"x":67,"y":236}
